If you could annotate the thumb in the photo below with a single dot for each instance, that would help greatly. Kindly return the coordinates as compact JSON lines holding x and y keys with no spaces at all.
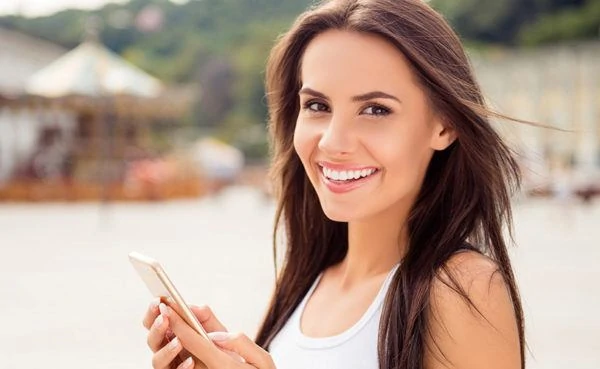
{"x":243,"y":346}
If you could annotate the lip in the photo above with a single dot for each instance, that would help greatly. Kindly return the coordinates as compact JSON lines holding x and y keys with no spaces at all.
{"x":339,"y":167}
{"x":340,"y":188}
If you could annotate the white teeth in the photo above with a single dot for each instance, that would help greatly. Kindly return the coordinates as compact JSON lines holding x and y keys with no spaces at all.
{"x":346,"y":175}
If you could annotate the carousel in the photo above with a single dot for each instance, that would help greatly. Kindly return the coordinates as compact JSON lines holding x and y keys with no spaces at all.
{"x":101,"y":132}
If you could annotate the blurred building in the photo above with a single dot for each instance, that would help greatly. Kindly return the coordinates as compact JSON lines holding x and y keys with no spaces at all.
{"x":73,"y":123}
{"x":557,"y":86}
{"x":20,"y":57}
{"x":21,"y":129}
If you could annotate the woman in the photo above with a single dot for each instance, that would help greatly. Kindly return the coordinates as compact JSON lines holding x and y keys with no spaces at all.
{"x":393,"y":192}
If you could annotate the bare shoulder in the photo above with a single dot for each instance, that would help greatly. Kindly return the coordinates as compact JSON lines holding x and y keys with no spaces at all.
{"x":477,"y":329}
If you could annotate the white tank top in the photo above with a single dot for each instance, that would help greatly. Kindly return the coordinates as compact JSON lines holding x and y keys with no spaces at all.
{"x":354,"y":348}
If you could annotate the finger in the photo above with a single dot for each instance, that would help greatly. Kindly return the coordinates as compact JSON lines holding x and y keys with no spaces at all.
{"x":157,"y":333}
{"x":177,"y":308}
{"x":198,"y":346}
{"x":162,"y":358}
{"x":204,"y":314}
{"x":245,"y":347}
{"x":207,"y":319}
{"x":151,"y":313}
{"x":187,"y":364}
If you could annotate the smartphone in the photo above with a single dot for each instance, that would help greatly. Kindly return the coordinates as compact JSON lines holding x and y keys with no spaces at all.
{"x":159,"y":284}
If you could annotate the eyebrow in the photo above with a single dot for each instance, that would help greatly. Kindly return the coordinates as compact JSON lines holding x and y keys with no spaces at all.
{"x":359,"y":98}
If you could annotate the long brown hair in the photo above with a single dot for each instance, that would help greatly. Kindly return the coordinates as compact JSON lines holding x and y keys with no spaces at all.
{"x":464,"y":200}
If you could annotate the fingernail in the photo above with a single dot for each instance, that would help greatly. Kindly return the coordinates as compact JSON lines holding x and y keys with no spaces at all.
{"x":218,"y":336}
{"x":188,"y":363}
{"x":174,"y":344}
{"x":154,"y":304}
{"x":163,"y":309}
{"x":159,"y":320}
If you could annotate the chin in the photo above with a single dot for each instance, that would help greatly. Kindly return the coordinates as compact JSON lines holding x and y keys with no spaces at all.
{"x":338,"y":218}
{"x":340,"y":214}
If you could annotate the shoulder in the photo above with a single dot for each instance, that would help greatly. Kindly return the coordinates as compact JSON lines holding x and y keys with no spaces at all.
{"x":472,"y":321}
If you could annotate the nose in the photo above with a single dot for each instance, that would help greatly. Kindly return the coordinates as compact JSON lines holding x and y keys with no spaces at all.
{"x":337,"y":138}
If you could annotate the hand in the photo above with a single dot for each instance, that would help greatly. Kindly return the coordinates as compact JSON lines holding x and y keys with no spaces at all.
{"x":159,"y":335}
{"x":216,"y":356}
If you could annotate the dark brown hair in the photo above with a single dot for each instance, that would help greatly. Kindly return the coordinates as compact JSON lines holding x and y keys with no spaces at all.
{"x":464,"y":200}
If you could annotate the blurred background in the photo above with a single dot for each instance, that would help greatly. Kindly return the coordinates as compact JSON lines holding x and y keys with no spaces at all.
{"x":141,"y":125}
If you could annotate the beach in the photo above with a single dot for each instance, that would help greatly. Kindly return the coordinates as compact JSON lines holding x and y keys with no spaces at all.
{"x":73,"y":300}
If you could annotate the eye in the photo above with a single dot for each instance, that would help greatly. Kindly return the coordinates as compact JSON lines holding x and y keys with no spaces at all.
{"x":316,"y":107}
{"x":376,"y":110}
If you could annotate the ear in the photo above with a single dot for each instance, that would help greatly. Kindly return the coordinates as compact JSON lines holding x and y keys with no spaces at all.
{"x":443,"y":135}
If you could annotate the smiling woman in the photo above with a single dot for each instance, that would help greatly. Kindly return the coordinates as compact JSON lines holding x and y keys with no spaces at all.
{"x":393,"y":190}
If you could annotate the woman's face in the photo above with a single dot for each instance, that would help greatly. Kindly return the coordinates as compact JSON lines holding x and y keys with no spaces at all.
{"x":365,"y":132}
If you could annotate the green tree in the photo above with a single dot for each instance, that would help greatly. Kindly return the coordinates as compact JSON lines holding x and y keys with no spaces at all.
{"x":515,"y":22}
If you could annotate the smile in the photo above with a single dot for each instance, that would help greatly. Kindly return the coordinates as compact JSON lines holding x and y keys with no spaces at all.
{"x":346,"y":175}
{"x":341,"y":180}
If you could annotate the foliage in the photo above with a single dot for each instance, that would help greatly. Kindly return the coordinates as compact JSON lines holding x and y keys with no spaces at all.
{"x":572,"y":24}
{"x":523,"y":22}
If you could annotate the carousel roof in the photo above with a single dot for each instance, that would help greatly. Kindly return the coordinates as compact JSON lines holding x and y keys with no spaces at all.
{"x":92,"y":70}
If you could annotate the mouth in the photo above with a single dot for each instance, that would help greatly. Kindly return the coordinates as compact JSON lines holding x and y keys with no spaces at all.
{"x":340,"y":181}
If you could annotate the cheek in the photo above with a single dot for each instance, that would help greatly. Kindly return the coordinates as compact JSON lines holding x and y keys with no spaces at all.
{"x":406,"y":158}
{"x":303,"y":142}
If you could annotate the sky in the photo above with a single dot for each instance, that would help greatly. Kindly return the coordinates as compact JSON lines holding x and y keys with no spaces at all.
{"x":35,"y":8}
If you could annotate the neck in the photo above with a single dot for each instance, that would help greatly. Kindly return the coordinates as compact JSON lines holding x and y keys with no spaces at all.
{"x":375,"y":245}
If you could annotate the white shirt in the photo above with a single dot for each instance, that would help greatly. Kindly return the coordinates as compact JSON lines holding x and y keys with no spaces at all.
{"x":354,"y":348}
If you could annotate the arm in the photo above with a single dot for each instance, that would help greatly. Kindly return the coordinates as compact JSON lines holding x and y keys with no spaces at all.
{"x":464,"y":336}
